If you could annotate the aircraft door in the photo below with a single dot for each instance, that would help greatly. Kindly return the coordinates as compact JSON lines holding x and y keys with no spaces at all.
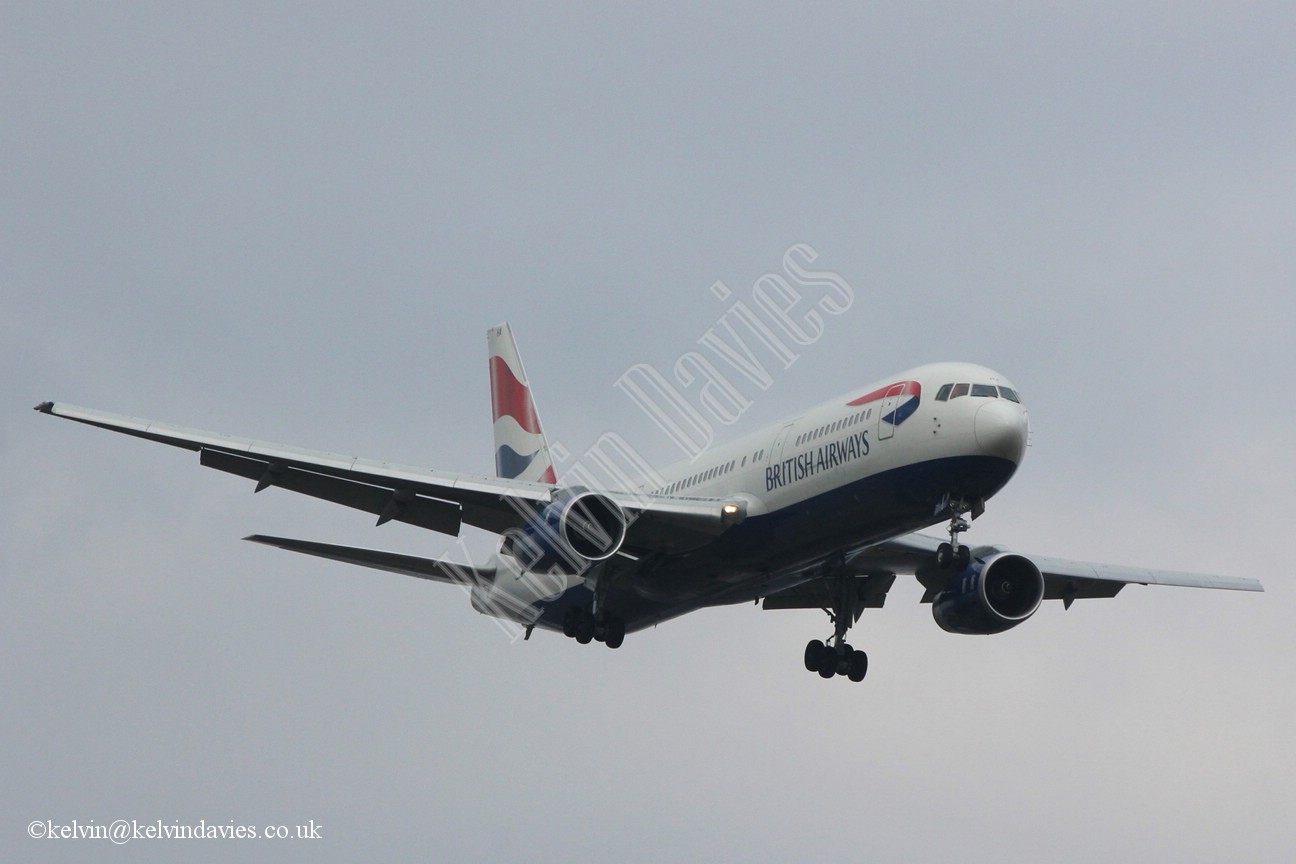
{"x":886,"y":411}
{"x":776,"y":449}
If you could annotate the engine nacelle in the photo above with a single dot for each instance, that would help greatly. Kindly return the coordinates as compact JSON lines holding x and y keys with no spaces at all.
{"x":990,"y":596}
{"x":569,"y":534}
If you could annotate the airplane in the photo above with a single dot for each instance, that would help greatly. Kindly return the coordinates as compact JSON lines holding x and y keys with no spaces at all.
{"x":817,"y":511}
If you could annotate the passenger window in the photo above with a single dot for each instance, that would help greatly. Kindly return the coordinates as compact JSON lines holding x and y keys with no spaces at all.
{"x":1009,"y":394}
{"x":942,"y":395}
{"x":958,"y":390}
{"x":984,"y":390}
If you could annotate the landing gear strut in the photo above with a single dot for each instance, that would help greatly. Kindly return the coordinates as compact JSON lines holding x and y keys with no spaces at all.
{"x":836,"y":657}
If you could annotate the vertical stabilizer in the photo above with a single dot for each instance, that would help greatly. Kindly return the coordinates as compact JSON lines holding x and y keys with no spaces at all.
{"x":521,"y":452}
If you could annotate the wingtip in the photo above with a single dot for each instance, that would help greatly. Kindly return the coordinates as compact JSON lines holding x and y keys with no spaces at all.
{"x":45,"y":407}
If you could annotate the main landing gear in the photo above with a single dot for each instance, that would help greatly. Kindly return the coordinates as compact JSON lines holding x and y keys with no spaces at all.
{"x":836,"y":656}
{"x":953,"y":555}
{"x":580,"y":624}
{"x":835,"y":659}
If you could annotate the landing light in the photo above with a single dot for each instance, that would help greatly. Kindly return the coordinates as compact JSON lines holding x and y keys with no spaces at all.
{"x":732,"y":512}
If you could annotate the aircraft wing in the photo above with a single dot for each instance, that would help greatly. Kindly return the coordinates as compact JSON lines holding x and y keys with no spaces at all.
{"x":1063,"y":579}
{"x":437,"y":500}
{"x":875,"y":568}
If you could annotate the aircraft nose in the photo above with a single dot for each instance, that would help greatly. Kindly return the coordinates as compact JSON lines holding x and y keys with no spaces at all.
{"x":1000,"y":428}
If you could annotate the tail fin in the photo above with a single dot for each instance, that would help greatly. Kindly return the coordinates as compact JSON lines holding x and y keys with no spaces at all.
{"x":521,"y":452}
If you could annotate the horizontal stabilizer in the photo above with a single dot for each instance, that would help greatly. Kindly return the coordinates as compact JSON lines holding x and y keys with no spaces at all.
{"x":409,"y":565}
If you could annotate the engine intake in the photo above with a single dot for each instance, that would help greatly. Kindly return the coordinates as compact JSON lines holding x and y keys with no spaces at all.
{"x":990,"y":596}
{"x":569,"y":534}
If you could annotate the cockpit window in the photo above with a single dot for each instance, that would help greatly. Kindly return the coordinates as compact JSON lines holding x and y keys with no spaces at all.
{"x":953,"y":391}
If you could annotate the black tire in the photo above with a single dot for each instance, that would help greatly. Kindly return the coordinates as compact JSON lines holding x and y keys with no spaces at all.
{"x":858,"y":666}
{"x":944,"y":556}
{"x":814,"y":649}
{"x":569,"y":623}
{"x":615,"y":634}
{"x":964,"y":557}
{"x":827,"y":663}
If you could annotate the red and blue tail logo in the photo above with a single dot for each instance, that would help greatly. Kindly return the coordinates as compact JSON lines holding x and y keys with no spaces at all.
{"x":521,"y":452}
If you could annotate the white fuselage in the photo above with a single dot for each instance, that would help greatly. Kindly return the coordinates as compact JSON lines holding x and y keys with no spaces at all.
{"x":839,"y":442}
{"x":832,"y":477}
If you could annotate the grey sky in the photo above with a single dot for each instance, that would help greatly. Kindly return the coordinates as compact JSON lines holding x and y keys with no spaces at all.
{"x":295,"y":222}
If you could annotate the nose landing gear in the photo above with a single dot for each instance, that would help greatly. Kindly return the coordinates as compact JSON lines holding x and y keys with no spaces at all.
{"x":953,"y":555}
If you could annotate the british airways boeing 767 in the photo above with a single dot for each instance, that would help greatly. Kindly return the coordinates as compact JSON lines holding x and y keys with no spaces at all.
{"x":817,"y":511}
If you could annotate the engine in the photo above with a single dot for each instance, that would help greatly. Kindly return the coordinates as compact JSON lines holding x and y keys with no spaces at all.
{"x":569,"y":534}
{"x":990,"y":596}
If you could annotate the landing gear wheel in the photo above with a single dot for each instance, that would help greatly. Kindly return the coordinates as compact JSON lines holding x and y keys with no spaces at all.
{"x":858,"y":666}
{"x":814,"y":650}
{"x":827,"y":663}
{"x":580,"y":624}
{"x":615,"y":633}
{"x":947,"y":558}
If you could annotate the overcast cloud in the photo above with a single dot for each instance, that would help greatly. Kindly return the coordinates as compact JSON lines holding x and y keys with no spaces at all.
{"x":296,"y":221}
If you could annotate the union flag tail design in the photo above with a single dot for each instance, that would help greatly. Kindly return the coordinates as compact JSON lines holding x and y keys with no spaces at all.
{"x":521,"y":452}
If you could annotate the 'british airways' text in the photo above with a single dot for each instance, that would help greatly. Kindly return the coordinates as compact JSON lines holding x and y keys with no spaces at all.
{"x":823,"y":458}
